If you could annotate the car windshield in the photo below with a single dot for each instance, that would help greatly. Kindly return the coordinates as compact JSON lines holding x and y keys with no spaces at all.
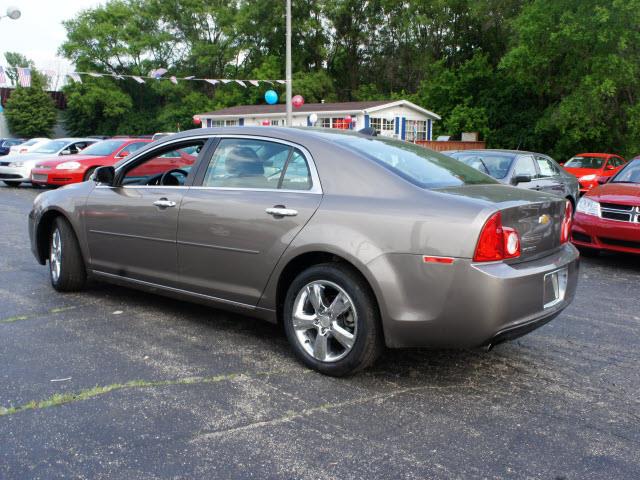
{"x":418,"y":165}
{"x":495,"y":164}
{"x":104,"y":148}
{"x":585,"y":162}
{"x":51,"y":147}
{"x":28,"y":143}
{"x":629,"y":174}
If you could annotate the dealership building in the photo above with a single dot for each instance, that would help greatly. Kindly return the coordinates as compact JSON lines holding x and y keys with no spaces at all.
{"x":399,"y":118}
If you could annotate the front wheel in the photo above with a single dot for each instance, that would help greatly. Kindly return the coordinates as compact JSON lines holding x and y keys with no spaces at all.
{"x":332,"y":320}
{"x":66,"y":266}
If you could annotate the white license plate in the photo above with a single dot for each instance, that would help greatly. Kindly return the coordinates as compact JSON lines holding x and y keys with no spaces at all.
{"x":555,"y":287}
{"x":39,"y":177}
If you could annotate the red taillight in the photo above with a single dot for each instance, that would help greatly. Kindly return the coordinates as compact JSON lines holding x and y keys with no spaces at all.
{"x":497,"y":242}
{"x":565,"y":230}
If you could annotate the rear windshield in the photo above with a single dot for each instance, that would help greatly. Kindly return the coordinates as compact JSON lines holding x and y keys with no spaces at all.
{"x":103,"y":148}
{"x":585,"y":162}
{"x":492,"y":163}
{"x":418,"y":165}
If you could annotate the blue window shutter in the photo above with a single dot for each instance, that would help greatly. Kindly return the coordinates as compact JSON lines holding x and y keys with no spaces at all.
{"x":429,"y":129}
{"x":403,"y":133}
{"x":241,"y":122}
{"x":366,"y":121}
{"x":209,"y":122}
{"x":397,"y":125}
{"x":309,"y":121}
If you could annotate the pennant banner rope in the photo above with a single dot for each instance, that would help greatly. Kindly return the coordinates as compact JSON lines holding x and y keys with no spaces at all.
{"x":24,"y":77}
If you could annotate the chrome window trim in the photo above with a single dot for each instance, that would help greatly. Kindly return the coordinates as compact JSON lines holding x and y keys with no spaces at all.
{"x":316,"y":186}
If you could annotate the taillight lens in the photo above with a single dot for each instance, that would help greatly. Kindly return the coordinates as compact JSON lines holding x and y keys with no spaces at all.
{"x":497,"y":242}
{"x":565,"y":231}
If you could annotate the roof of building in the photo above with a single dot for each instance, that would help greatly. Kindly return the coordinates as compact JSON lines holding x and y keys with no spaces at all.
{"x":280,"y":108}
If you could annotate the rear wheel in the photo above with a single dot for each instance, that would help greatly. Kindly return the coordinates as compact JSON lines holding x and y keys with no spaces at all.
{"x":11,"y":184}
{"x":66,"y":266}
{"x":332,"y":321}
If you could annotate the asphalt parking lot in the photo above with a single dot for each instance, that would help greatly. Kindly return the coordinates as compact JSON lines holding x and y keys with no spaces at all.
{"x":116,"y":383}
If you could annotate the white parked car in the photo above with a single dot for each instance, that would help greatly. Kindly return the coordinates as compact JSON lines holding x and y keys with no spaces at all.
{"x":16,"y":169}
{"x":28,"y":146}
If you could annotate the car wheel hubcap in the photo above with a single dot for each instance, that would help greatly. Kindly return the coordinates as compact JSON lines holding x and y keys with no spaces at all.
{"x":325,"y":321}
{"x":55,"y":256}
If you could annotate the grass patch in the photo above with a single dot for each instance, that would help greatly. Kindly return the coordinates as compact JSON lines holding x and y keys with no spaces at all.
{"x":17,"y":318}
{"x":63,"y":398}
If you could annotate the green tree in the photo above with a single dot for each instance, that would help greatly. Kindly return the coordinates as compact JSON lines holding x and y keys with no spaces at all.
{"x":30,"y":111}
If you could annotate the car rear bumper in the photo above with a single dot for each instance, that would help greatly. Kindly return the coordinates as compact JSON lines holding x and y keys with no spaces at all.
{"x":602,"y":234}
{"x":468,"y":304}
{"x":41,"y":176}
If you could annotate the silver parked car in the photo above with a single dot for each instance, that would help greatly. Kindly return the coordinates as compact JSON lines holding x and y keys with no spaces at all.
{"x":352,"y":242}
{"x":534,"y":171}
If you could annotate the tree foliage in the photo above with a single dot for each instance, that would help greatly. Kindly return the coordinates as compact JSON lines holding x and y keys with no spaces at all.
{"x":554,"y":75}
{"x":30,"y":111}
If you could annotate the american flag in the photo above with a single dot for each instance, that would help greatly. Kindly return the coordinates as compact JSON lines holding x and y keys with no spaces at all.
{"x":24,"y":77}
{"x":3,"y":77}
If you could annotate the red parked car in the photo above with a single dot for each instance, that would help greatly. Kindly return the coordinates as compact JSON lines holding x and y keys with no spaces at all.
{"x":608,"y":217}
{"x":79,"y":167}
{"x":587,"y":167}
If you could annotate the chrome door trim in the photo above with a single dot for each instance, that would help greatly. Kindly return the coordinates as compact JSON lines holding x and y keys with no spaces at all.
{"x":218,"y":247}
{"x":127,"y":235}
{"x":100,"y":273}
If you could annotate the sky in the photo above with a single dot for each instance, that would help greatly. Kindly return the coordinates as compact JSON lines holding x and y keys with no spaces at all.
{"x":38,"y":33}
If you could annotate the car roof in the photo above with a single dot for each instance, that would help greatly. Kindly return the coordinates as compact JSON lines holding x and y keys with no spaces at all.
{"x":603,"y":155}
{"x":498,"y":150}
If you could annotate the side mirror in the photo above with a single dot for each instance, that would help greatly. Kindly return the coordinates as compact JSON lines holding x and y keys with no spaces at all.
{"x":104,"y":175}
{"x":521,"y":178}
{"x":602,"y":180}
{"x":610,"y":167}
{"x":65,"y":152}
{"x":124,"y":154}
{"x":561,"y":164}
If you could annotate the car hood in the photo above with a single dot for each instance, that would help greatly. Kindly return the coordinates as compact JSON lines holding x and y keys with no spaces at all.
{"x":69,"y":158}
{"x":579,"y":172}
{"x":621,"y":193}
{"x":24,"y":157}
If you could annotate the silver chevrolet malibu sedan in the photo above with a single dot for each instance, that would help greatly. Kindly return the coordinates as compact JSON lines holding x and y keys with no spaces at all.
{"x":351,"y":242}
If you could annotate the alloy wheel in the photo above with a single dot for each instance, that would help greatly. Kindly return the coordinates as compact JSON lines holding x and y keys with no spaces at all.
{"x":325,"y":320}
{"x":55,"y":255}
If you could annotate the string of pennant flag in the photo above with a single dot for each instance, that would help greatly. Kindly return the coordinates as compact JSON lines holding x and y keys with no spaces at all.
{"x":24,"y":77}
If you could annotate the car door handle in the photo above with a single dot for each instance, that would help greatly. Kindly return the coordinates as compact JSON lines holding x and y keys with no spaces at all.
{"x":281,"y":212}
{"x":164,"y":203}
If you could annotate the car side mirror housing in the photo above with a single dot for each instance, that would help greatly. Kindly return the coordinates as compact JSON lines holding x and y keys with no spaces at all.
{"x":105,"y":175}
{"x":521,"y":178}
{"x":123,"y":154}
{"x":602,"y":180}
{"x":610,"y":167}
{"x":65,"y":152}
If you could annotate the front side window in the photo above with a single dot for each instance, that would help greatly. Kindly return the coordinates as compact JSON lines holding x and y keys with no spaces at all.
{"x":257,"y":164}
{"x":525,"y":166}
{"x":492,"y":163}
{"x":168,"y":166}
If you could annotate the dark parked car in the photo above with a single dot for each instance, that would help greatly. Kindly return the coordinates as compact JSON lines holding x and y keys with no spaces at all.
{"x":7,"y":143}
{"x":530,"y":170}
{"x":351,"y":241}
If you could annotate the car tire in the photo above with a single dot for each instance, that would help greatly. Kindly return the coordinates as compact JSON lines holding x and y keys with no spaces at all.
{"x":12,"y":184}
{"x":66,"y":265}
{"x":336,"y":344}
{"x":88,"y":174}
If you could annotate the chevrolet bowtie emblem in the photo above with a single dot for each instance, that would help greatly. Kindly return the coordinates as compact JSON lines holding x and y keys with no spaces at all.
{"x":544,"y":219}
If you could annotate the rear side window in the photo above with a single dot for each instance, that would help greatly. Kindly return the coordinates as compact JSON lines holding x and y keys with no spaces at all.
{"x":418,"y":165}
{"x":257,"y":164}
{"x":547,"y":168}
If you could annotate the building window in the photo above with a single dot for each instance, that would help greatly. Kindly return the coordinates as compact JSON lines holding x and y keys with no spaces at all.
{"x":382,"y":125}
{"x":333,"y":122}
{"x":223,"y":123}
{"x":277,"y":123}
{"x":416,"y":130}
